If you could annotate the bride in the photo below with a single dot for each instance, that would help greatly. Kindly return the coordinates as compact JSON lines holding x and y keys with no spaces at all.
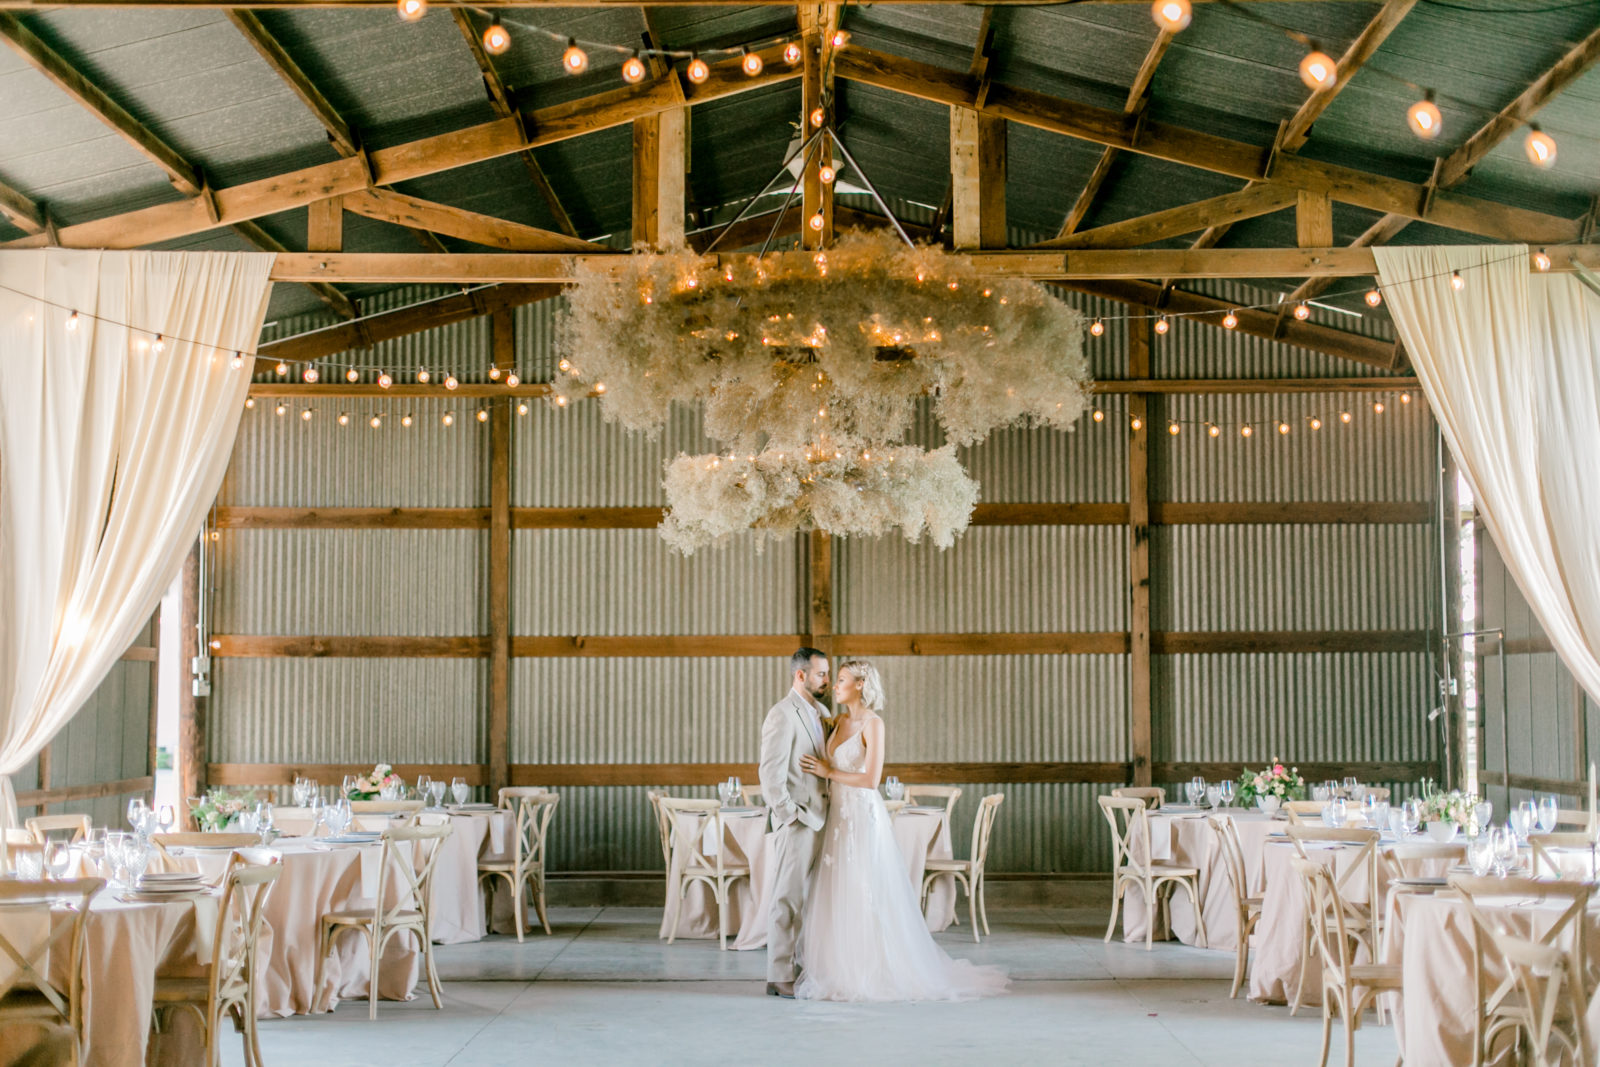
{"x":863,"y":936}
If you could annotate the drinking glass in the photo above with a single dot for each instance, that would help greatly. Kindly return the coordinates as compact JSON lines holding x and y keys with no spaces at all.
{"x":136,"y":810}
{"x":299,"y":791}
{"x":94,"y":849}
{"x":1226,"y":791}
{"x":1411,"y":815}
{"x":436,"y":792}
{"x":1505,"y":850}
{"x":1380,"y":815}
{"x":1337,"y":812}
{"x":1484,"y":811}
{"x":30,"y":865}
{"x":1397,"y":821}
{"x":423,"y":783}
{"x":248,"y":821}
{"x":166,"y":817}
{"x":1523,"y":819}
{"x":460,"y":790}
{"x":1480,"y":852}
{"x":1369,"y":810}
{"x":264,"y":820}
{"x":1214,"y":796}
{"x":1319,"y":792}
{"x":1548,"y":813}
{"x":347,"y":785}
{"x":1351,"y":784}
{"x":314,"y":805}
{"x":136,"y":858}
{"x":390,"y":792}
{"x":57,"y":858}
{"x":338,"y":816}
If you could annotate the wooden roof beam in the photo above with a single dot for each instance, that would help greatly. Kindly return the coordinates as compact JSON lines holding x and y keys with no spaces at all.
{"x":1174,"y":222}
{"x":1207,"y":151}
{"x":402,"y":210}
{"x":337,"y":302}
{"x":47,"y":61}
{"x":284,"y":66}
{"x":25,"y":214}
{"x":1137,"y":95}
{"x":1298,"y":129}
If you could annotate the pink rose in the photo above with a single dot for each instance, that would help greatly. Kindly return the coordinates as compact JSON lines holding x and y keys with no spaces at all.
{"x":1277,"y":769}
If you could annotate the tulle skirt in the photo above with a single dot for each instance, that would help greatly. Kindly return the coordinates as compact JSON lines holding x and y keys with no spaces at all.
{"x":863,"y":937}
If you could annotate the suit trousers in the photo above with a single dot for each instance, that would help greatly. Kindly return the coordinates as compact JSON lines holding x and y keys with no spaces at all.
{"x":793,"y":853}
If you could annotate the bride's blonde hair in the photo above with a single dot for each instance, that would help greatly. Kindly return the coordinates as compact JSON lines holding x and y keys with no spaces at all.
{"x":871,"y":684}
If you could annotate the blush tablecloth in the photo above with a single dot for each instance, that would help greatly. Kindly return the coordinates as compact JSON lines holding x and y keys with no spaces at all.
{"x":1186,"y":838}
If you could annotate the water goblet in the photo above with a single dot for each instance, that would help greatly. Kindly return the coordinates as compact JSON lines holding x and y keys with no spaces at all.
{"x":1214,"y":796}
{"x":1319,"y":792}
{"x":136,"y":858}
{"x":248,"y":821}
{"x":1549,"y":813}
{"x":460,"y":790}
{"x":1351,"y":784}
{"x":1480,"y":852}
{"x":166,"y":817}
{"x":348,"y":785}
{"x":1483,"y":811}
{"x":1369,"y":809}
{"x":1397,"y":821}
{"x":1225,"y":792}
{"x":94,"y":847}
{"x":1522,"y":820}
{"x":57,"y":858}
{"x":1411,"y":815}
{"x":390,"y":791}
{"x":136,"y":810}
{"x":1505,"y":850}
{"x":1337,"y":812}
{"x":1380,"y":815}
{"x":423,"y":782}
{"x":436,"y":792}
{"x":299,"y":791}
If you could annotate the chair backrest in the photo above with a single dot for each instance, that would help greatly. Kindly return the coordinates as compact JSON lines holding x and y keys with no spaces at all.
{"x":1232,"y":855}
{"x":1329,"y":914}
{"x":663,"y":824}
{"x":983,"y":828}
{"x":1153,"y":796}
{"x":508,"y":795}
{"x":1542,"y":973}
{"x":1130,"y":833}
{"x":948,"y":793}
{"x":384,"y":807}
{"x":431,"y":818}
{"x":1576,"y":817}
{"x":27,"y":962}
{"x":240,"y":916}
{"x":1376,"y":792}
{"x":750,"y":796}
{"x":1363,"y":866}
{"x":1567,"y":934}
{"x":163,"y":842}
{"x":688,"y":834}
{"x":533,"y":825}
{"x":12,"y":838}
{"x":1540,"y":847}
{"x":1298,"y":809}
{"x":42,"y":826}
{"x":414,"y":866}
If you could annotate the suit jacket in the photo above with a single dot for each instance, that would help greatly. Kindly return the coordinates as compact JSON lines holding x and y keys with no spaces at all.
{"x":790,"y":792}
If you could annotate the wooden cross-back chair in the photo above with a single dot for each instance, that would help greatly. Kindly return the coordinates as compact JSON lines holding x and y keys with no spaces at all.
{"x":686,"y":854}
{"x":28,"y":995}
{"x":1246,"y":907}
{"x":524,"y":869}
{"x":1131,"y":865}
{"x":1360,"y":919}
{"x":1347,"y":986}
{"x":968,"y":873}
{"x":42,"y":826}
{"x":1152,"y":795}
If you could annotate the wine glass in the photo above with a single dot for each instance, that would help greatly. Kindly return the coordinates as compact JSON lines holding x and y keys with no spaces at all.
{"x":1213,"y":796}
{"x":1337,"y":812}
{"x":136,"y":857}
{"x":436,"y":792}
{"x":1351,"y":784}
{"x":423,"y":784}
{"x":1226,"y":791}
{"x":1523,"y":818}
{"x":248,"y":821}
{"x":1505,"y":850}
{"x":1483,"y":811}
{"x":57,"y":858}
{"x":1319,"y":792}
{"x":338,"y":816}
{"x":1480,"y":852}
{"x":1411,"y":815}
{"x":314,"y":805}
{"x":264,"y":820}
{"x":460,"y":790}
{"x":1380,"y":815}
{"x":1369,"y":809}
{"x":300,"y":791}
{"x":94,"y":848}
{"x":1549,"y":812}
{"x":136,"y":810}
{"x":166,"y":817}
{"x":348,"y":785}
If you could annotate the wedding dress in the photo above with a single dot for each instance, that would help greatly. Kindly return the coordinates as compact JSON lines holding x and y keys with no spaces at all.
{"x":863,"y":936}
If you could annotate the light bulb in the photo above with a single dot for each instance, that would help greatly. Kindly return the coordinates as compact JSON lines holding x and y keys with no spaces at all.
{"x":816,"y":221}
{"x":1302,"y":311}
{"x":698,"y":71}
{"x":1344,"y":417}
{"x":376,"y":421}
{"x":1541,"y":147}
{"x":384,"y":380}
{"x":574,"y":60}
{"x":561,"y":401}
{"x":512,"y":381}
{"x":249,"y":401}
{"x":281,"y":409}
{"x":305,"y":416}
{"x":496,"y":40}
{"x":1457,"y":282}
{"x":752,"y":63}
{"x":309,"y":375}
{"x":494,"y":374}
{"x":1246,"y":430}
{"x":1229,"y":321}
{"x":1172,"y":428}
{"x":1316,"y":423}
{"x":411,"y":10}
{"x":344,"y":418}
{"x":827,"y":173}
{"x":791,"y":53}
{"x":1214,"y":430}
{"x":1541,"y":260}
{"x":1162,"y":325}
{"x":1283,"y":428}
{"x":818,"y":116}
{"x":633,"y":71}
{"x":72,"y":326}
{"x":450,"y":381}
{"x":1373,"y":298}
{"x":1138,"y":424}
{"x":215,"y":643}
{"x":1317,"y":70}
{"x":840,"y":38}
{"x":422,"y":375}
{"x":1171,"y":15}
{"x":1424,"y":118}
{"x":160,"y":344}
{"x":1377,"y":407}
{"x":238,"y":360}
{"x":1097,"y":329}
{"x":405,"y":420}
{"x":564,"y":365}
{"x":448,"y":418}
{"x":282,"y":369}
{"x":1099,"y":416}
{"x":483,"y":416}
{"x":1405,"y":398}
{"x":352,"y":376}
{"x":522,"y":409}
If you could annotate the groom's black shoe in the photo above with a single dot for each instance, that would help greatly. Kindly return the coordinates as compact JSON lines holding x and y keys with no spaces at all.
{"x":781,"y":989}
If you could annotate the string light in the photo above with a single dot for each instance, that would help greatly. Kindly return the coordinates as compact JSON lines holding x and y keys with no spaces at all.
{"x":411,"y":10}
{"x":72,"y":326}
{"x":752,"y":63}
{"x":494,"y":374}
{"x":422,"y":375}
{"x":1229,"y":321}
{"x":1377,"y":407}
{"x":160,"y":344}
{"x":483,"y":415}
{"x":1213,"y":429}
{"x":1540,"y":146}
{"x":818,"y":116}
{"x":512,"y":381}
{"x":1424,"y":117}
{"x":561,"y":401}
{"x":1316,"y":423}
{"x":281,"y":408}
{"x":1138,"y":423}
{"x":698,"y":71}
{"x":1283,"y":428}
{"x":450,"y":381}
{"x":352,"y":376}
{"x":496,"y":41}
{"x":305,"y":416}
{"x":1099,"y":416}
{"x":1162,"y":325}
{"x":791,"y":53}
{"x":1302,"y":311}
{"x":1172,"y":428}
{"x":1373,"y":298}
{"x":1172,"y":15}
{"x":574,"y":60}
{"x":817,"y":221}
{"x":522,"y":409}
{"x":448,"y":418}
{"x":384,"y":380}
{"x":1457,"y":282}
{"x":1246,"y":430}
{"x":633,"y":70}
{"x":826,"y":173}
{"x":840,"y":38}
{"x":1541,"y":260}
{"x":1097,"y":329}
{"x":376,"y":421}
{"x":238,"y":360}
{"x":1405,"y":398}
{"x":405,"y":420}
{"x":310,"y":375}
{"x":1344,"y":417}
{"x":249,"y":401}
{"x":1317,"y":69}
{"x":344,"y":418}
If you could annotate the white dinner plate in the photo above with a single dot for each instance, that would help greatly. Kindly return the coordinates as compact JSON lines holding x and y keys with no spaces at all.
{"x":349,"y":839}
{"x":1435,"y":883}
{"x":169,"y":878}
{"x":929,"y":809}
{"x":209,"y":848}
{"x":163,"y":890}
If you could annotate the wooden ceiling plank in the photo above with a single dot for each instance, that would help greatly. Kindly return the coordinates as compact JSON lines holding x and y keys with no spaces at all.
{"x":1206,"y":151}
{"x":1298,"y":129}
{"x":268,"y":47}
{"x":390,"y":206}
{"x":47,"y":61}
{"x":1187,"y":218}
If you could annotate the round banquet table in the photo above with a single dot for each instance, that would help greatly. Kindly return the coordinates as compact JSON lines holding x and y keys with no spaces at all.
{"x":1183,"y":836}
{"x":921,"y":833}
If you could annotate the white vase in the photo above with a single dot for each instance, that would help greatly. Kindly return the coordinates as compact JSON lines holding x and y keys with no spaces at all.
{"x":1268,"y":804}
{"x":1443,"y":831}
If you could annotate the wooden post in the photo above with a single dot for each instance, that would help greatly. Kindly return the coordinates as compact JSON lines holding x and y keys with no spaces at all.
{"x":325,"y":225}
{"x":155,"y":692}
{"x":1139,"y":701}
{"x":658,"y":178}
{"x":820,"y":615}
{"x":815,"y":194}
{"x":192,"y":749}
{"x":44,"y":778}
{"x":1313,"y":220}
{"x":978,"y":178}
{"x":504,"y":341}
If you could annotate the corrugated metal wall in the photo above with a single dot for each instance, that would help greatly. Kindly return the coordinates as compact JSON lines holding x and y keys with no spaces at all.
{"x":942,"y":708}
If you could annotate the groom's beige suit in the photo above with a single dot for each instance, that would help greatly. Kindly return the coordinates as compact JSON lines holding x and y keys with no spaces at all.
{"x":798,"y":803}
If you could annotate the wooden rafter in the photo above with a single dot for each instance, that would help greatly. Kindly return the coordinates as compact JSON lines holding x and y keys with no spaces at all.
{"x":500,"y":99}
{"x":47,"y":61}
{"x":23,"y":212}
{"x":1295,"y":132}
{"x":1205,"y":151}
{"x":1174,"y":222}
{"x":1137,"y":95}
{"x":398,"y":208}
{"x":340,"y":304}
{"x":976,"y":71}
{"x":282,"y":64}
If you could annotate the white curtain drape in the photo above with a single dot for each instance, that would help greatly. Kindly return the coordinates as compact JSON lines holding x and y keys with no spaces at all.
{"x":1511,"y":365}
{"x":112,"y":447}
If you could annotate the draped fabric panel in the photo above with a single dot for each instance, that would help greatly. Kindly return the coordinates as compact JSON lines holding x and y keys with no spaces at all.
{"x":1511,"y":366}
{"x":112,"y":446}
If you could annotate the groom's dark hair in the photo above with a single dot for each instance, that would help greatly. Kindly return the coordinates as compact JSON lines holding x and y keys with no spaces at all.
{"x":801,"y":660}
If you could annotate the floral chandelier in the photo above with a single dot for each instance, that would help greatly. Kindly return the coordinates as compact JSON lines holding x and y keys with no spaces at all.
{"x":810,"y":368}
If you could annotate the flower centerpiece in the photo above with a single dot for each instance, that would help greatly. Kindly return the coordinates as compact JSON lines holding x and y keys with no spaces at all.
{"x":1445,"y":813}
{"x":1271,"y":786}
{"x":214,"y":811}
{"x":370,"y":785}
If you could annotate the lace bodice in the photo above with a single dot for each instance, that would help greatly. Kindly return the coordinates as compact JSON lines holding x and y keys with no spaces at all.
{"x":851,"y":755}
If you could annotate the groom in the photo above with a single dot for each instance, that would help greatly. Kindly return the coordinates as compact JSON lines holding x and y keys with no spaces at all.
{"x":799,"y":805}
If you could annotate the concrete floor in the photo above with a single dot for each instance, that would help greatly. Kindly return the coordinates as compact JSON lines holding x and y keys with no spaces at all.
{"x":604,"y":990}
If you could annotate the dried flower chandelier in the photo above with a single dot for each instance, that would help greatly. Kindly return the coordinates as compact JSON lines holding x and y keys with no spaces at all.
{"x":810,"y":370}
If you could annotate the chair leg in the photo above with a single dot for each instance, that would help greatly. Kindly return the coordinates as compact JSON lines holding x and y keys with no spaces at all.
{"x":1193,"y":886}
{"x":1117,"y":887}
{"x":722,"y":915}
{"x":372,"y":975}
{"x":1305,"y":965}
{"x":519,"y":908}
{"x":251,"y":1038}
{"x":677,"y":913}
{"x":434,"y":987}
{"x":983,"y":908}
{"x":539,"y":903}
{"x":1349,"y":1036}
{"x":324,"y":945}
{"x":1241,"y":956}
{"x":1151,"y":900}
{"x":1327,"y":1030}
